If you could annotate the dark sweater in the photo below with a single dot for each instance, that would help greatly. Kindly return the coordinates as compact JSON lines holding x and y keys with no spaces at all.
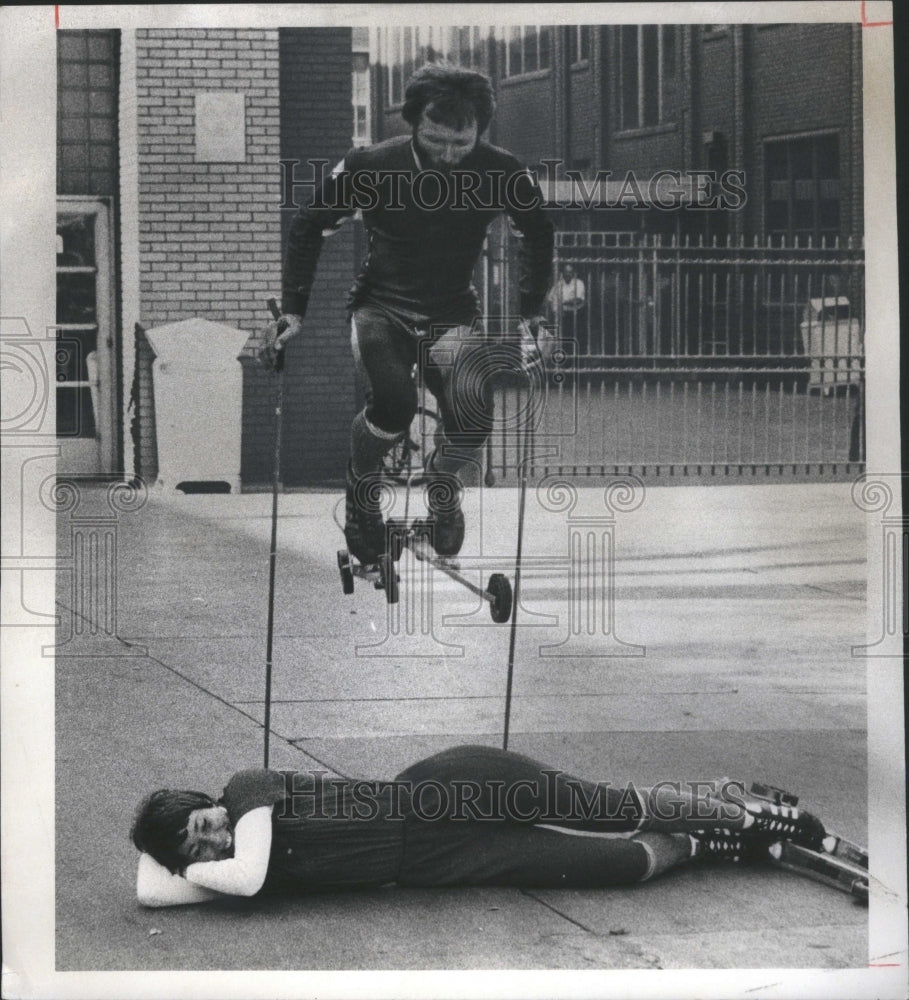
{"x":327,"y":833}
{"x":425,"y":230}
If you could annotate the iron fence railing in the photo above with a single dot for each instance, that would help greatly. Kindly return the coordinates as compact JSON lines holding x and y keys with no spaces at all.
{"x":692,"y":358}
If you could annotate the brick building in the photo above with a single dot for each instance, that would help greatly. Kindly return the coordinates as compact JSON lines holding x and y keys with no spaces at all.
{"x":170,"y":151}
{"x":780,"y":102}
{"x":170,"y":187}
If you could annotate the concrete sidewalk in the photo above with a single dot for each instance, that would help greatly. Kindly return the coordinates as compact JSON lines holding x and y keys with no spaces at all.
{"x":726,"y":651}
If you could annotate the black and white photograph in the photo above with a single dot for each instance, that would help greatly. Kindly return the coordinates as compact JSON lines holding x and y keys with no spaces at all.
{"x":452,"y":538}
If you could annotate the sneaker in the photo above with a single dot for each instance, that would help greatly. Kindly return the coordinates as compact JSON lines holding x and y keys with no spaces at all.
{"x":364,"y":526}
{"x":719,"y":845}
{"x":774,"y":822}
{"x":443,"y":498}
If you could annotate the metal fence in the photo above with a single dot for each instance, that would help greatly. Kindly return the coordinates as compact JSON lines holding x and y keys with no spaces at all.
{"x":682,"y":358}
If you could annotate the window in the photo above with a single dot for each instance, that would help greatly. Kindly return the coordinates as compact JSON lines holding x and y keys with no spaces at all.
{"x":87,"y":112}
{"x":801,"y":189}
{"x":647,"y":74}
{"x":528,"y":48}
{"x":578,"y":43}
{"x":402,"y":51}
{"x":362,"y":131}
{"x":85,"y":382}
{"x":396,"y":67}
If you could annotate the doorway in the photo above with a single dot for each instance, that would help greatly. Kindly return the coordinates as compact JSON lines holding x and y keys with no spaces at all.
{"x":85,"y":347}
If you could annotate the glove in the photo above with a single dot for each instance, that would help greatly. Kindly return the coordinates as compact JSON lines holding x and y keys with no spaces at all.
{"x":535,"y":344}
{"x":277,"y":333}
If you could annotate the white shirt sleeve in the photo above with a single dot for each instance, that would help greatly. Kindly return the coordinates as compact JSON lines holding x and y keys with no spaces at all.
{"x":241,"y":875}
{"x":244,"y":873}
{"x":157,"y":886}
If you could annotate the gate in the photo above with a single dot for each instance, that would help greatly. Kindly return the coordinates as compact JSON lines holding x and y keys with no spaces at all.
{"x":691,"y":359}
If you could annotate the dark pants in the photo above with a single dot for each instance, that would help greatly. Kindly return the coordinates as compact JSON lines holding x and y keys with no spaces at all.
{"x":479,"y":815}
{"x":454,"y":365}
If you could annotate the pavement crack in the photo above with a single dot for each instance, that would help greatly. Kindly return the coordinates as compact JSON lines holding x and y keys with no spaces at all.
{"x":60,"y":648}
{"x":246,"y":715}
{"x":762,"y":568}
{"x":558,"y":912}
{"x":834,"y":592}
{"x":699,"y":692}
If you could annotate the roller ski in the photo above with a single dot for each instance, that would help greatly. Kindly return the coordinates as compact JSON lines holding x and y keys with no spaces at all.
{"x":419,"y":536}
{"x":374,"y":547}
{"x":820,"y":866}
{"x":378,"y":568}
{"x":789,"y":838}
{"x":437,"y":539}
{"x":381,"y":574}
{"x":365,"y":556}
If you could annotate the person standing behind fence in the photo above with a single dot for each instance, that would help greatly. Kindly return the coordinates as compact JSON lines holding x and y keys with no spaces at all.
{"x":427,"y":200}
{"x":568,"y":299}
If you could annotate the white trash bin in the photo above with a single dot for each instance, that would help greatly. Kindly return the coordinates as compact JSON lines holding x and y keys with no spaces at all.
{"x":832,"y":339}
{"x":198,"y":390}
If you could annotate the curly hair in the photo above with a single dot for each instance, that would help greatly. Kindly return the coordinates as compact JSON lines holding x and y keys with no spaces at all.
{"x":450,"y":96}
{"x":159,"y":827}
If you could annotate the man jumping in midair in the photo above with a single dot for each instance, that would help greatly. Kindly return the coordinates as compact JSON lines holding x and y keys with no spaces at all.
{"x":427,"y":200}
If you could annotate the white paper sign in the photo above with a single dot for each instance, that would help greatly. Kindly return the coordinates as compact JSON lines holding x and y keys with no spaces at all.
{"x":220,"y":127}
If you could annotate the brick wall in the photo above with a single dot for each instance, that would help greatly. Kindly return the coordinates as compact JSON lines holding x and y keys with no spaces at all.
{"x":582,"y":115}
{"x":855,"y":193}
{"x":525,"y":117}
{"x":320,"y":386}
{"x":793,"y":79}
{"x":714,"y":86}
{"x":645,"y":154}
{"x":209,"y":240}
{"x":804,"y":72}
{"x":741,"y":82}
{"x":206,"y":244}
{"x":807,"y":76}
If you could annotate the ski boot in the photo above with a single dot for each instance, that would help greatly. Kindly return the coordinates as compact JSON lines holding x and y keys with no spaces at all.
{"x":775,"y":817}
{"x":446,"y":520}
{"x":364,"y":526}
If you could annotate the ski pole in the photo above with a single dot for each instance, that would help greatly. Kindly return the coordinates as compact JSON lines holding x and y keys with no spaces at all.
{"x":524,"y":458}
{"x":272,"y":560}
